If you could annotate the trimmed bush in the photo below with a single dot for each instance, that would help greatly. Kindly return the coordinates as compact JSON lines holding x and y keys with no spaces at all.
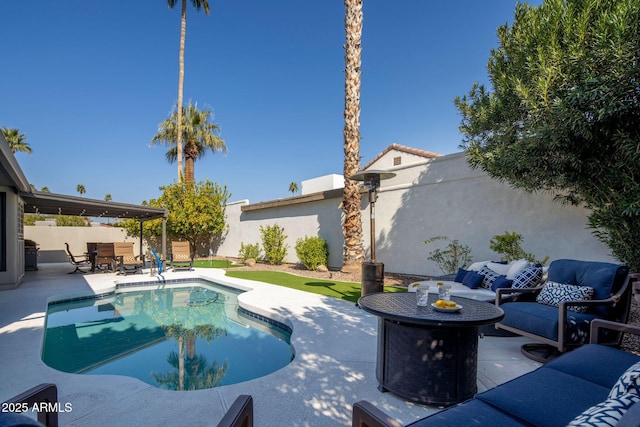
{"x":312,"y":252}
{"x":275,"y":250}
{"x":249,"y":251}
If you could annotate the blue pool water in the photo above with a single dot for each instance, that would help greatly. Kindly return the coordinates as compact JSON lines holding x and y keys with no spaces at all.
{"x":175,"y":337}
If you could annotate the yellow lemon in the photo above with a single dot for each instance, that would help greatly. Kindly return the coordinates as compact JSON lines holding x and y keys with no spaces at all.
{"x":450,"y":304}
{"x":440,"y":303}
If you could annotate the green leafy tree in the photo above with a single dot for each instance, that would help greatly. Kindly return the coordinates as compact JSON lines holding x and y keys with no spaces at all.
{"x":564,"y":111}
{"x":45,"y":189}
{"x":197,"y":4}
{"x":200,"y":135}
{"x":196,"y":214}
{"x":71,"y":221}
{"x":17,"y":141}
{"x":107,"y":197}
{"x":509,"y":247}
{"x":80,"y":189}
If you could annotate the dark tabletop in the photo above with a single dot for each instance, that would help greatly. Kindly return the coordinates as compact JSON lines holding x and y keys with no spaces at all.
{"x":401,"y":306}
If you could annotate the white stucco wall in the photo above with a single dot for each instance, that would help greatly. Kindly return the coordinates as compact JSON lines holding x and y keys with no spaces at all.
{"x":437,"y":197}
{"x":51,"y":240}
{"x":445,"y":197}
{"x":426,"y":198}
{"x":321,"y":218}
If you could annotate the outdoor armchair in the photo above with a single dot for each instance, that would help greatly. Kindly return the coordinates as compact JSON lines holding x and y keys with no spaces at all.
{"x":558,"y":313}
{"x":105,"y":257}
{"x":79,"y":263}
{"x":43,"y":393}
{"x":240,"y":414}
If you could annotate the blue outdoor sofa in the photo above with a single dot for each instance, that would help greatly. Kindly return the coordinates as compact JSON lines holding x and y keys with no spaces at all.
{"x":553,"y":395}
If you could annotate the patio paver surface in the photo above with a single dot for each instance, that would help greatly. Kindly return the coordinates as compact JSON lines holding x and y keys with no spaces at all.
{"x":334,"y":365}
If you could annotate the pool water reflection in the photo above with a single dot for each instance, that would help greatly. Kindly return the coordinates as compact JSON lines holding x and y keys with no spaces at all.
{"x":176,"y":338}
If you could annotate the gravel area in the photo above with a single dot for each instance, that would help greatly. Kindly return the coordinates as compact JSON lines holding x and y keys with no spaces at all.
{"x":630,"y":343}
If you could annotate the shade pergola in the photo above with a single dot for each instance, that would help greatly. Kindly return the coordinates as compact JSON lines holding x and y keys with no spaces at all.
{"x":38,"y":202}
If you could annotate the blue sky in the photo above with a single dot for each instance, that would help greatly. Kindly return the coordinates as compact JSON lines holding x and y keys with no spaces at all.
{"x":88,"y":82}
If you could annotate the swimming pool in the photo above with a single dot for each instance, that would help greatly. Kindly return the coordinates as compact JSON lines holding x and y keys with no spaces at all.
{"x":176,"y":336}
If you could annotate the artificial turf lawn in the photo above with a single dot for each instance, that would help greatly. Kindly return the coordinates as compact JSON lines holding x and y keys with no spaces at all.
{"x":216,"y":263}
{"x":349,"y":291}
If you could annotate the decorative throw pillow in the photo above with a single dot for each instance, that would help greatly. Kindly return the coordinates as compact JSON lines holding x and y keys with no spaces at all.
{"x":473,"y":280}
{"x":477,"y":266}
{"x":554,"y":293}
{"x":460,"y":275}
{"x":606,"y":413}
{"x":489,"y":277}
{"x":499,"y":268}
{"x":516,"y":268}
{"x":528,"y":278}
{"x":629,"y":382}
{"x":501,"y":282}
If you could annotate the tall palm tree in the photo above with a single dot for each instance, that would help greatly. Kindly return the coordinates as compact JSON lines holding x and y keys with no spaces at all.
{"x":198,"y":4}
{"x":199,"y":133}
{"x":17,"y":141}
{"x":352,"y":228}
{"x":80,"y":189}
{"x":293,"y":187}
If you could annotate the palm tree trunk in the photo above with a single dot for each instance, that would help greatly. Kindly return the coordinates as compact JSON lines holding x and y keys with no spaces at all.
{"x":183,"y":36}
{"x":190,"y":155}
{"x":352,"y":229}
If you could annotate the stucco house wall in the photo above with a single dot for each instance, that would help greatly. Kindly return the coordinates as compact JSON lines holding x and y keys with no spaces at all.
{"x":438,"y":196}
{"x":51,"y":240}
{"x":14,"y":243}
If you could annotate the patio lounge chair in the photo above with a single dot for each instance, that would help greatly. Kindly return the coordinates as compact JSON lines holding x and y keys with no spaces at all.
{"x":43,"y":393}
{"x":105,"y":257}
{"x":80,"y":263}
{"x":181,"y":258}
{"x":127,"y":262}
{"x":240,"y":414}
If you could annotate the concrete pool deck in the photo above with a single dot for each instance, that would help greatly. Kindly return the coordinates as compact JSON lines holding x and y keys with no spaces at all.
{"x":334,"y":365}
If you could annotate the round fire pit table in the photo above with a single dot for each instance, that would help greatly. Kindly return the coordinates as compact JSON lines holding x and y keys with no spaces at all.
{"x":427,"y":356}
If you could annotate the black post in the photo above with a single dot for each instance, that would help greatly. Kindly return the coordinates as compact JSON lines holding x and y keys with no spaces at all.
{"x":372,"y":277}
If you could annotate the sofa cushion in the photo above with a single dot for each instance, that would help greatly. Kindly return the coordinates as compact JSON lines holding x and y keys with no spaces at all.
{"x":542,"y":320}
{"x":472,"y":411}
{"x":528,"y":278}
{"x":460,"y":275}
{"x":629,"y":382}
{"x":606,"y":413}
{"x":580,"y":363}
{"x":473,"y":280}
{"x":543,"y":395}
{"x":489,"y":277}
{"x":501,"y":282}
{"x":554,"y":293}
{"x":501,"y":269}
{"x":516,"y":268}
{"x":605,"y":278}
{"x":476,"y":266}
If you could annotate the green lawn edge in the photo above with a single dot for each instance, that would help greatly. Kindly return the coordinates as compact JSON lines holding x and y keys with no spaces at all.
{"x":348,"y":291}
